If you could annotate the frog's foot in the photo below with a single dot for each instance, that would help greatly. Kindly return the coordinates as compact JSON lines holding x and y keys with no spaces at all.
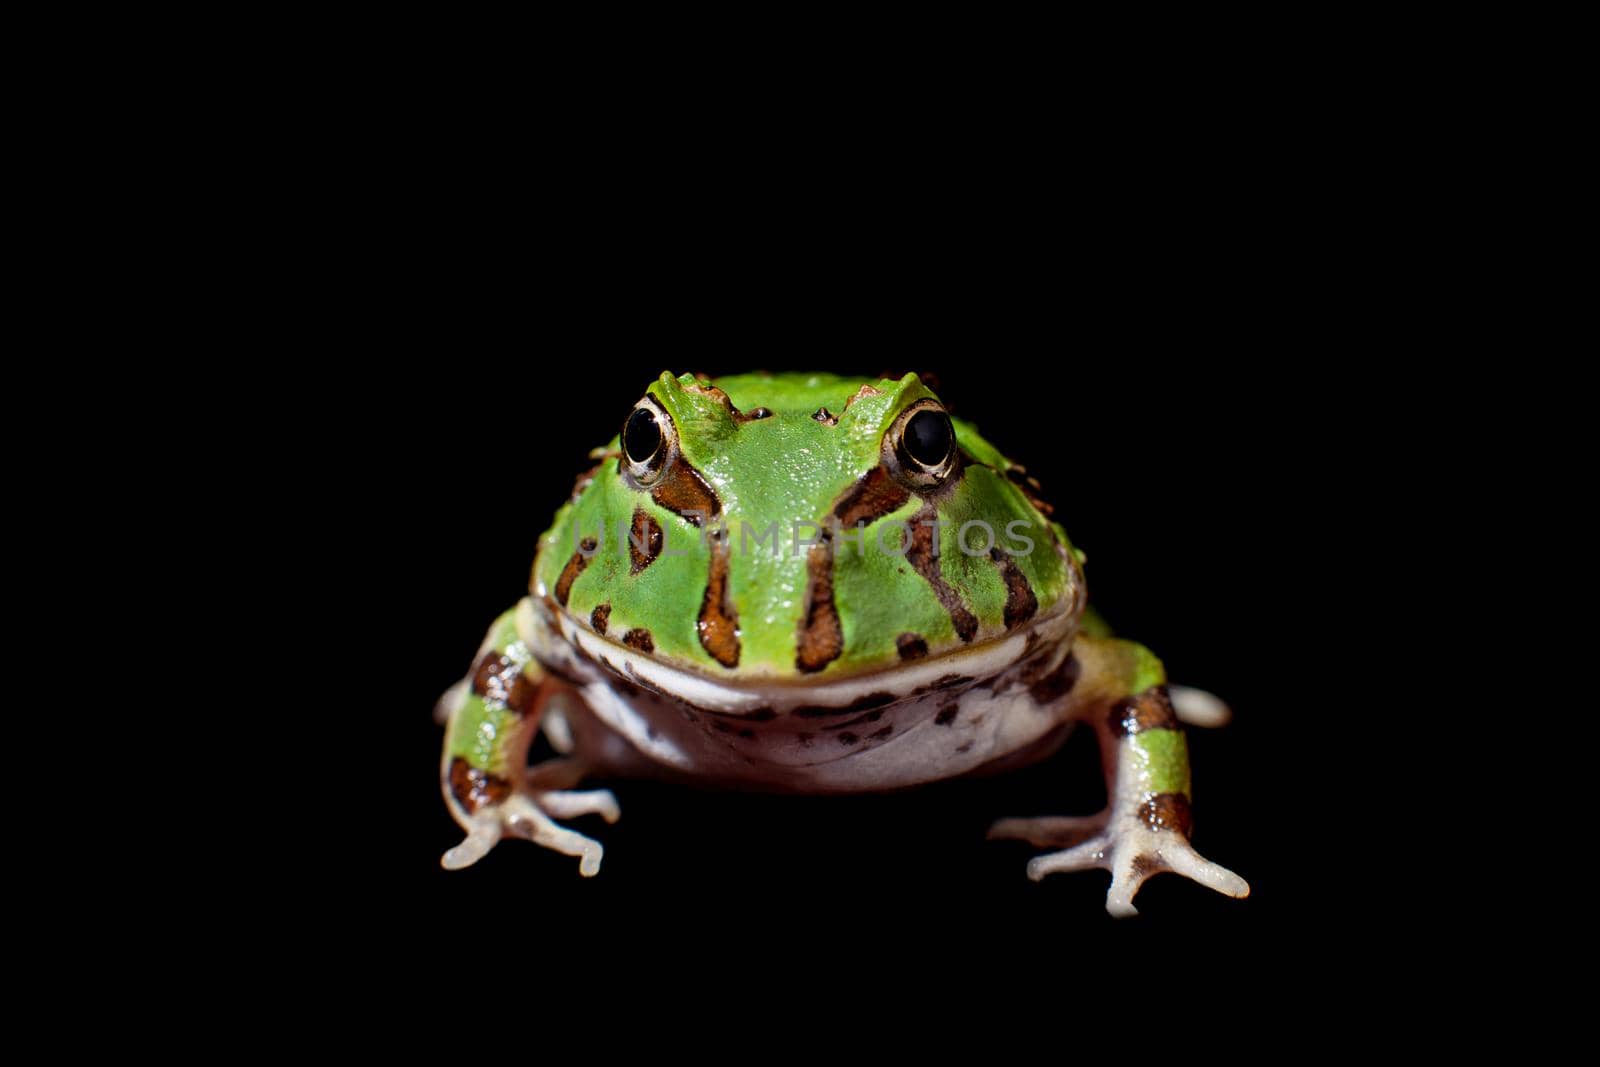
{"x":530,"y":814}
{"x":1133,"y":852}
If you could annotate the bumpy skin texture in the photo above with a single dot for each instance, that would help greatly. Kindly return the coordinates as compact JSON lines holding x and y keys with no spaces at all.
{"x":680,"y":623}
{"x":770,"y":473}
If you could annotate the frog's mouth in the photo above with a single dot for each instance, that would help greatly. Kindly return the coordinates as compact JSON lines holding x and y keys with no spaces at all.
{"x":1040,"y":643}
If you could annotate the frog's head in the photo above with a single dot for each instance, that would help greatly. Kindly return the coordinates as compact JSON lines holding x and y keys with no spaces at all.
{"x":781,"y":528}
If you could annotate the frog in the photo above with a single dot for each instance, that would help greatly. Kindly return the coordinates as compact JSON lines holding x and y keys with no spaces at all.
{"x":815,"y":584}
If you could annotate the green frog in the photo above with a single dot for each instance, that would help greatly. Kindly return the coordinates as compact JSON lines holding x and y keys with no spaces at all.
{"x":814,"y":584}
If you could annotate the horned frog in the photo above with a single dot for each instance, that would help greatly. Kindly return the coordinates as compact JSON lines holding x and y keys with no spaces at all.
{"x":814,"y":584}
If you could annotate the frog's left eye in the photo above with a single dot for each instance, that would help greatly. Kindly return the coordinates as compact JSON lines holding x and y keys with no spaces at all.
{"x":921,"y":445}
{"x":648,"y":442}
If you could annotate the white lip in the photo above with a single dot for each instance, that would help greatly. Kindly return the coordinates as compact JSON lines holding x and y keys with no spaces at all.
{"x":744,"y":696}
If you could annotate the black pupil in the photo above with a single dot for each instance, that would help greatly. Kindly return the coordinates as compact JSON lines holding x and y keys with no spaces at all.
{"x":641,"y":437}
{"x":927,"y":438}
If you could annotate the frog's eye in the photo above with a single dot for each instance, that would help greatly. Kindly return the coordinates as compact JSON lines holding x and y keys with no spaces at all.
{"x":921,"y":445}
{"x":648,"y":442}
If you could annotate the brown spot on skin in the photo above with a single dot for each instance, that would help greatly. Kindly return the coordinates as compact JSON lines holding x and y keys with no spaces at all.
{"x":1168,"y":811}
{"x":826,"y":417}
{"x":848,"y":738}
{"x":865,"y":390}
{"x":761,"y":715}
{"x":965,"y":746}
{"x":499,"y":679}
{"x":881,"y":734}
{"x":927,"y":564}
{"x":947,"y":714}
{"x":1058,"y":683}
{"x":1149,"y":710}
{"x":747,"y":733}
{"x":684,"y":492}
{"x":644,"y":541}
{"x":718,"y":624}
{"x":1020,"y":601}
{"x":474,"y":789}
{"x":821,"y":634}
{"x":639,"y":639}
{"x":600,"y":617}
{"x":574,"y":567}
{"x":911,"y":646}
{"x":803,"y":738}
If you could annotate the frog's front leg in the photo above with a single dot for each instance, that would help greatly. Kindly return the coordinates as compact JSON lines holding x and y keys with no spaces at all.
{"x":491,"y":720}
{"x":1146,"y":825}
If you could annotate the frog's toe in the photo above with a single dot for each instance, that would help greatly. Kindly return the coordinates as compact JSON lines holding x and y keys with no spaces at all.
{"x":1049,"y":831}
{"x":531,"y":815}
{"x":568,"y":805}
{"x":1189,"y":863}
{"x":483,"y":834}
{"x":1091,"y":855}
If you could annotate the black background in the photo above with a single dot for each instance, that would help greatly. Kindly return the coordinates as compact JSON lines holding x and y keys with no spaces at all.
{"x":1190,"y":369}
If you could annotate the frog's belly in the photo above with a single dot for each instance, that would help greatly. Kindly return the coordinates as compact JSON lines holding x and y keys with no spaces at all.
{"x":900,"y":730}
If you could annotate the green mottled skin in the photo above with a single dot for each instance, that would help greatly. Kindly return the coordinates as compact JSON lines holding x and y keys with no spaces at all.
{"x":772,"y":471}
{"x":767,"y":473}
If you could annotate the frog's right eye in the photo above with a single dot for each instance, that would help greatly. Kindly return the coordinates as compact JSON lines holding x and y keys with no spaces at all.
{"x":648,"y":442}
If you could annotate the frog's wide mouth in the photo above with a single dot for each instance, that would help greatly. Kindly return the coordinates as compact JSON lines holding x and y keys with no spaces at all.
{"x":761,"y":696}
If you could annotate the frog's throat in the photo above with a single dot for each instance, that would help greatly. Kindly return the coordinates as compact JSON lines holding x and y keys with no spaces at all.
{"x":562,"y":642}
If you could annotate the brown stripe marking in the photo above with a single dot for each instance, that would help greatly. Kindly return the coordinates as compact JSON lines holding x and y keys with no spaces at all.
{"x":821,"y":634}
{"x":875,"y":495}
{"x":1168,"y":811}
{"x":499,"y":679}
{"x":718,"y":624}
{"x":1150,"y":710}
{"x":474,"y":789}
{"x":927,"y":565}
{"x":1020,"y":601}
{"x":644,"y":541}
{"x":684,"y":492}
{"x":600,"y":617}
{"x":947,"y":714}
{"x":911,"y":646}
{"x":574,"y":567}
{"x":639,"y":639}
